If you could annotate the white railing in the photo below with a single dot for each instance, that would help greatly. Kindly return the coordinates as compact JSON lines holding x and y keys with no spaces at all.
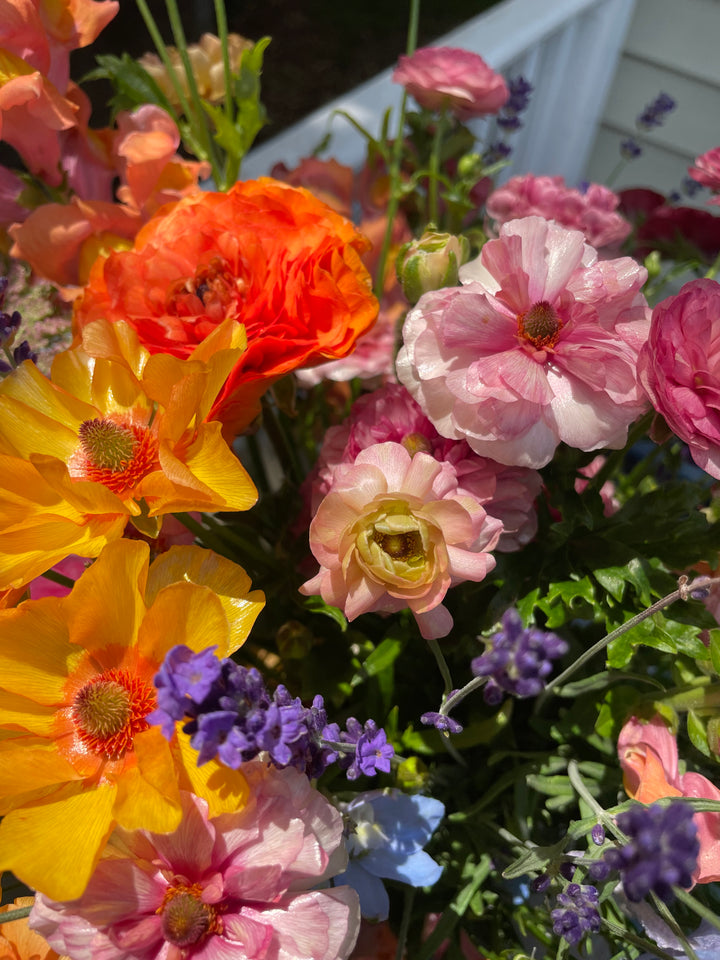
{"x":567,"y":49}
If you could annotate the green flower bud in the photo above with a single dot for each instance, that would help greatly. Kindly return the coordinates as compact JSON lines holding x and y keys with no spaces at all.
{"x":430,"y":263}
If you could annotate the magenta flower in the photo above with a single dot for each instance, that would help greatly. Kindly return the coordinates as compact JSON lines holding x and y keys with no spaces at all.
{"x":236,"y":885}
{"x":390,"y":413}
{"x":394,"y":532}
{"x":593,"y":212}
{"x":680,"y":369}
{"x":538,"y":347}
{"x":460,"y":80}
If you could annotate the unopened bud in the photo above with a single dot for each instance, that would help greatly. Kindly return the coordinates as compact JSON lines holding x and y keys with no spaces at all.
{"x":430,"y":263}
{"x":598,"y":834}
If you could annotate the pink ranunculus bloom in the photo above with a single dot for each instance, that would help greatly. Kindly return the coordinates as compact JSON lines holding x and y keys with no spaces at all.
{"x":449,"y":77}
{"x":649,"y":758}
{"x":390,"y":413}
{"x":592,"y":212}
{"x":707,"y":170}
{"x":394,"y":533}
{"x":236,"y":885}
{"x":538,"y":347}
{"x":679,"y":367}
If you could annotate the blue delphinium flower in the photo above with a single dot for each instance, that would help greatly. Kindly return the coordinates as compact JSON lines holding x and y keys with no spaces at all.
{"x":517,"y":660}
{"x":577,"y":912}
{"x":387,"y":830}
{"x":661,"y":851}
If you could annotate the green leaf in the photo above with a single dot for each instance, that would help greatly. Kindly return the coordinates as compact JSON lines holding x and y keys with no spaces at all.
{"x":133,"y":84}
{"x":697,"y":733}
{"x":383,"y":656}
{"x":318,"y":605}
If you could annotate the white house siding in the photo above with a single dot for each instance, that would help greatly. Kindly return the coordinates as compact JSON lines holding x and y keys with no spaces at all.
{"x":672,"y":46}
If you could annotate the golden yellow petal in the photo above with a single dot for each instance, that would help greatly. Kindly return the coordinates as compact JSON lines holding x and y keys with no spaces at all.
{"x":227,"y":579}
{"x":27,"y":769}
{"x":106,"y":605}
{"x":36,"y":655}
{"x":54,"y":845}
{"x":115,"y":341}
{"x":26,"y":388}
{"x":183,"y":613}
{"x":225,"y":790}
{"x":148,"y":797}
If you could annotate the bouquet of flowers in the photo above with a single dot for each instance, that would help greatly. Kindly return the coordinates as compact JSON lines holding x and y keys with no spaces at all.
{"x":358,"y":529}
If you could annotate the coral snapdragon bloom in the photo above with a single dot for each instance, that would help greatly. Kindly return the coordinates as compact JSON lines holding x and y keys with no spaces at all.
{"x":77,"y":754}
{"x":119,"y":436}
{"x":648,"y":756}
{"x":267,"y":254}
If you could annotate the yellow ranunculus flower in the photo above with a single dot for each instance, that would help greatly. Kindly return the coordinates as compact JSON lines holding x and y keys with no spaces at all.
{"x":77,"y":755}
{"x":114,"y":435}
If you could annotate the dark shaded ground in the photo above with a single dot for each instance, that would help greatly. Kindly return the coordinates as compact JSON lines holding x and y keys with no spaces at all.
{"x":319,"y":49}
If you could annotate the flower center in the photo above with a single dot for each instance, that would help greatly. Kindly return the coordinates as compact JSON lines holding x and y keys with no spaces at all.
{"x":416,"y":443}
{"x":115,"y":455}
{"x":185,"y":918}
{"x":400,"y":546}
{"x":214,"y":285}
{"x":540,"y":325}
{"x":110,"y":709}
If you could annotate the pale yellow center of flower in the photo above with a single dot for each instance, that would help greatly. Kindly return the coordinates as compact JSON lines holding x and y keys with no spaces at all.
{"x":540,"y":325}
{"x":416,"y":443}
{"x":393,"y":544}
{"x":186,"y":920}
{"x":107,"y":445}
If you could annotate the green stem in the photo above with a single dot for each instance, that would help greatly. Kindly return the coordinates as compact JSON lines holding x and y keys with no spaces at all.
{"x":197,"y":115}
{"x":442,"y":665}
{"x":18,"y":914}
{"x":710,"y":275}
{"x":683,"y":592}
{"x":603,"y":816}
{"x":666,"y":915}
{"x":258,"y":463}
{"x":59,"y":578}
{"x":644,"y":944}
{"x":434,"y":171}
{"x":285,"y":447}
{"x":700,"y":909}
{"x":157,"y":39}
{"x":460,"y":694}
{"x":230,"y":172}
{"x":405,"y":923}
{"x":395,"y":162}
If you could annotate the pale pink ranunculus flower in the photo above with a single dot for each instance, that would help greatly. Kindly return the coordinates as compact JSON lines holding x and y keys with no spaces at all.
{"x":390,"y":413}
{"x":394,"y":533}
{"x":461,"y":81}
{"x":679,"y":367}
{"x":538,"y":346}
{"x":707,"y":171}
{"x":593,"y":212}
{"x":648,"y":756}
{"x":236,"y":885}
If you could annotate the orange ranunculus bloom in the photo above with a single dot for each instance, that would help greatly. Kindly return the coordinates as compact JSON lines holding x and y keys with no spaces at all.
{"x":18,"y":941}
{"x":268,"y":254}
{"x":118,"y":436}
{"x":77,"y":754}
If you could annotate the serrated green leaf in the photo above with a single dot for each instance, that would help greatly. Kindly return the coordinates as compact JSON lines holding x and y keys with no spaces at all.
{"x":133,"y":84}
{"x":533,"y":861}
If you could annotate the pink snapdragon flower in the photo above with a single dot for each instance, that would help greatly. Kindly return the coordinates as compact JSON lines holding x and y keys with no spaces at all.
{"x":390,"y":413}
{"x":235,"y":885}
{"x":679,"y":367}
{"x":707,"y":171}
{"x":394,"y":532}
{"x":593,"y":212}
{"x":649,"y":758}
{"x":460,"y":80}
{"x":538,"y":347}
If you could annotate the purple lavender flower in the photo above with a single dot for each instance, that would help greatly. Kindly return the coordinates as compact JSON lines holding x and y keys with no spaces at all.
{"x":661,"y":851}
{"x":577,"y":913}
{"x":598,"y":834}
{"x":655,"y":112}
{"x":229,"y":713}
{"x":517,"y":660}
{"x":520,"y":90}
{"x":495,"y":152}
{"x":630,"y":149}
{"x":441,"y":722}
